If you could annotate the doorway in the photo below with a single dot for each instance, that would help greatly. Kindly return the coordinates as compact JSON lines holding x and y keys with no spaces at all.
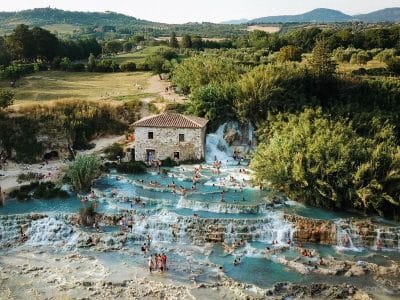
{"x":150,"y":154}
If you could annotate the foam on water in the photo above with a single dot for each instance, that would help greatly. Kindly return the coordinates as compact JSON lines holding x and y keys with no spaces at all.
{"x":51,"y":232}
{"x":217,"y":147}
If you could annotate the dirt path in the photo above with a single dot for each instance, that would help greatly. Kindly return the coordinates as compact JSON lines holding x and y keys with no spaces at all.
{"x":104,"y":142}
{"x":159,"y":87}
{"x":144,"y":109}
{"x":155,"y":85}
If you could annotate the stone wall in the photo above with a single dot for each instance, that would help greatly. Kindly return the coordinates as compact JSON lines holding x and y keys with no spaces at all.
{"x":166,"y":141}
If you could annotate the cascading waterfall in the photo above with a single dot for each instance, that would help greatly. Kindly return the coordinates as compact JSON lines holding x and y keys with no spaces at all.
{"x":169,"y":227}
{"x":10,"y":227}
{"x":217,"y":147}
{"x":51,"y":231}
{"x":219,"y":207}
{"x":347,"y":239}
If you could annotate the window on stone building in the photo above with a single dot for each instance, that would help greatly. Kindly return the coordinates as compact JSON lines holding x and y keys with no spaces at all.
{"x":176,"y":155}
{"x":150,"y":135}
{"x":181,"y":137}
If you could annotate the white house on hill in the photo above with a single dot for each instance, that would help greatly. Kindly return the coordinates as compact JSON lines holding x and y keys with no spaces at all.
{"x":171,"y":135}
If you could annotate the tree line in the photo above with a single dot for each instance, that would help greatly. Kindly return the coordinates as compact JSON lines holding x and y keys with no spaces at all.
{"x":38,"y":44}
{"x":325,"y":139}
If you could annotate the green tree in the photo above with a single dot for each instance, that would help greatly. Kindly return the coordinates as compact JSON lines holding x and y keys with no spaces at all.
{"x":393,"y":66}
{"x":127,"y":46}
{"x":156,"y":63}
{"x":113,"y":47}
{"x":197,"y":43}
{"x":138,"y":38}
{"x":289,"y":53}
{"x":214,"y":102}
{"x":186,"y":41}
{"x":83,"y":171}
{"x":273,"y":89}
{"x":361,"y":57}
{"x":22,"y":43}
{"x":65,"y":63}
{"x":128,"y":66}
{"x":6,"y":98}
{"x":46,"y":43}
{"x":91,"y":65}
{"x":204,"y":69}
{"x":173,"y":41}
{"x":324,"y":162}
{"x":321,"y":62}
{"x":5,"y":56}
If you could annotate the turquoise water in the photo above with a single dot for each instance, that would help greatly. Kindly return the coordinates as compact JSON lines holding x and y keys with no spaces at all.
{"x":65,"y":205}
{"x":161,"y":209}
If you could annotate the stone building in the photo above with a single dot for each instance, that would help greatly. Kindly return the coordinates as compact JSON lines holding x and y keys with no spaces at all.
{"x":171,"y":135}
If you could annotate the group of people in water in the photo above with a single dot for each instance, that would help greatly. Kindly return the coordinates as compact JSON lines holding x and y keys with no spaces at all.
{"x":157,"y":262}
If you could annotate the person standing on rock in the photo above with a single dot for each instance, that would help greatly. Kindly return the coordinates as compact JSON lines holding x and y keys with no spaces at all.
{"x":164,"y":262}
{"x":150,"y":263}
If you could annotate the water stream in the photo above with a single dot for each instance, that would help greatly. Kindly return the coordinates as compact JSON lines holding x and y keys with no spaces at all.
{"x":223,"y":207}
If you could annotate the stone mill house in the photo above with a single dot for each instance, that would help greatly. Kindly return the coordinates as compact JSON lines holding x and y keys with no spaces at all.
{"x":172,"y":135}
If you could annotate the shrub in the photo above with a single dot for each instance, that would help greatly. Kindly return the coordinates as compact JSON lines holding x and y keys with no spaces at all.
{"x":16,"y":71}
{"x":105,"y":66}
{"x":114,"y":151}
{"x":132,"y":167}
{"x":168,"y":162}
{"x":143,"y":67}
{"x":393,"y":66}
{"x":42,"y":190}
{"x":83,"y":171}
{"x":30,"y":176}
{"x":129,"y":66}
{"x":79,"y":67}
{"x":176,"y":107}
{"x":385,"y":55}
{"x":371,"y":72}
{"x":6,"y":98}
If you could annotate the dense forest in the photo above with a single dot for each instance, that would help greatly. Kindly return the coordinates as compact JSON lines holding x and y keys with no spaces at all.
{"x":327,"y":138}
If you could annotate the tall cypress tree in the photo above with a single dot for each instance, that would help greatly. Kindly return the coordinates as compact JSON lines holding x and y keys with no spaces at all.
{"x":173,"y":41}
{"x":321,"y":62}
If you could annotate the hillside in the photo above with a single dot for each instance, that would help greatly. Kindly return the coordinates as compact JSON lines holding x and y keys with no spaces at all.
{"x":96,"y":24}
{"x":324,"y":15}
{"x":316,"y":15}
{"x":384,"y":15}
{"x":47,"y":16}
{"x":239,"y":21}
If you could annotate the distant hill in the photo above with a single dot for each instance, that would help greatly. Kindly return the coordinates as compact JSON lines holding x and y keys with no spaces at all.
{"x":54,"y":19}
{"x":47,"y":16}
{"x":96,"y":24}
{"x":324,"y":15}
{"x":384,"y":15}
{"x":233,"y":22}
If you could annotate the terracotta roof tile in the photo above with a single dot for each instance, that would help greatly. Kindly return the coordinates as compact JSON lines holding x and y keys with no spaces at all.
{"x":173,"y":120}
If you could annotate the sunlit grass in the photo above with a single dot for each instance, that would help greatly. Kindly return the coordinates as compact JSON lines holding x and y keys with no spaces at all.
{"x":57,"y":85}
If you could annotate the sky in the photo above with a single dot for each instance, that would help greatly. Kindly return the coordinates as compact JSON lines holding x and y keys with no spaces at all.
{"x":181,"y":11}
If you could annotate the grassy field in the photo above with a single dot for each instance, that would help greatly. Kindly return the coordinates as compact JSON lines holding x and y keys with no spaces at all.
{"x":268,"y":29}
{"x":57,"y":85}
{"x":347,"y":67}
{"x":138,"y":57}
{"x":61,"y":28}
